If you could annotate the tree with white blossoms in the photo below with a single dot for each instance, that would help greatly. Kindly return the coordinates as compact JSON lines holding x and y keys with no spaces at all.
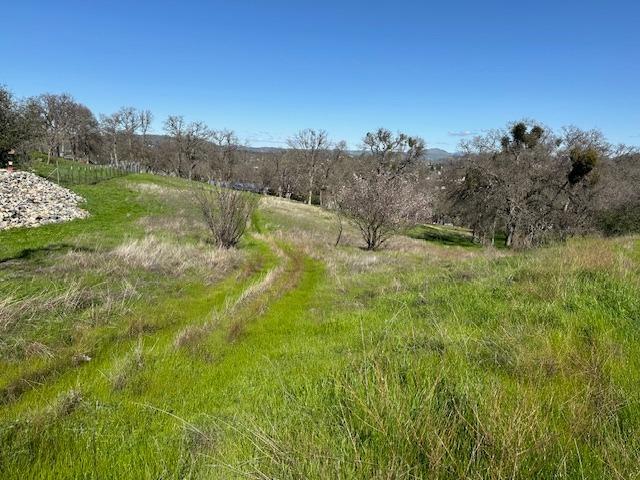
{"x":383,"y":198}
{"x":382,"y":205}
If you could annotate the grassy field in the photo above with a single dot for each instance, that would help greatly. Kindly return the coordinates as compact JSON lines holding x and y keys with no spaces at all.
{"x":130,"y":347}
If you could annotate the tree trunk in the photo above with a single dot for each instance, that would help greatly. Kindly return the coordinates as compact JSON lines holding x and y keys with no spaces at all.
{"x":511,"y":226}
{"x":339,"y":230}
{"x":310,"y":187}
{"x":493,"y":231}
{"x":114,"y":152}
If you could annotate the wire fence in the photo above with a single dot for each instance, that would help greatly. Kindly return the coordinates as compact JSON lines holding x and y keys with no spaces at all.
{"x":86,"y":174}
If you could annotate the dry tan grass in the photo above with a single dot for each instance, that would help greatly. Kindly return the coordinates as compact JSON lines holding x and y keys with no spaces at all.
{"x":10,"y":311}
{"x":128,"y":367}
{"x":86,"y":305}
{"x":191,"y":336}
{"x":37,"y":349}
{"x":295,"y":216}
{"x":151,"y":253}
{"x":589,"y":254}
{"x":72,"y":298}
{"x":82,"y":305}
{"x":297,"y":209}
{"x":153,"y":188}
{"x":255,"y":289}
{"x":154,"y":254}
{"x":552,"y":273}
{"x":65,"y":404}
{"x":178,"y":226}
{"x":348,"y":261}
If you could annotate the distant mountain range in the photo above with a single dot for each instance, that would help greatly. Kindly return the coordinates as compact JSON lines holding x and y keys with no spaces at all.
{"x":438,"y":155}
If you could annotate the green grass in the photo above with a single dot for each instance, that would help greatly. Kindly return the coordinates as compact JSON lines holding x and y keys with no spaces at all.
{"x":450,"y":236}
{"x":443,"y":235}
{"x":294,"y":359}
{"x":522,"y":368}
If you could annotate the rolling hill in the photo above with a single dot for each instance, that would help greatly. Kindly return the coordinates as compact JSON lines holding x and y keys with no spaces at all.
{"x":133,"y":348}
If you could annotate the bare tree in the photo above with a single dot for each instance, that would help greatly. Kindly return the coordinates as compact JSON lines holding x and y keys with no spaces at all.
{"x":145,"y":117}
{"x":55,"y":114}
{"x":191,"y":140}
{"x":110,"y":126}
{"x":287,"y":177}
{"x":225,"y":149}
{"x":383,"y":197}
{"x":616,"y":206}
{"x":130,"y":123}
{"x":19,"y":124}
{"x":226,"y":212}
{"x":530,"y":183}
{"x":83,"y":132}
{"x":393,"y":153}
{"x":328,"y":167}
{"x":311,"y":146}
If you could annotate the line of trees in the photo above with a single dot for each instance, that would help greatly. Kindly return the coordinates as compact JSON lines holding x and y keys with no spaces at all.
{"x":524,"y":182}
{"x":534,"y":185}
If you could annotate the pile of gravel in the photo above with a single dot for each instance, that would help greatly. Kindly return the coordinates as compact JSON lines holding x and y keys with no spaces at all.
{"x":27,"y":200}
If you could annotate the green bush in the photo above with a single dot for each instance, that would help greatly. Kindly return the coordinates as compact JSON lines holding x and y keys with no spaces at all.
{"x":620,"y":221}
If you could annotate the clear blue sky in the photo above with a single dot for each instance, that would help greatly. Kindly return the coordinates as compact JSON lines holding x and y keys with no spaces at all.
{"x":268,"y":68}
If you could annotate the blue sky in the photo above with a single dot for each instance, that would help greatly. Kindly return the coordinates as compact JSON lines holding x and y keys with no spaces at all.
{"x":440,"y":70}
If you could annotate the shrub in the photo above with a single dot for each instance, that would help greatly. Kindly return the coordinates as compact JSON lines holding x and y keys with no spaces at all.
{"x":620,"y":220}
{"x":226,"y":213}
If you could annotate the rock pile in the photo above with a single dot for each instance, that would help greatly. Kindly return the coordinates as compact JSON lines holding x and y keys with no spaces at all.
{"x":27,"y":200}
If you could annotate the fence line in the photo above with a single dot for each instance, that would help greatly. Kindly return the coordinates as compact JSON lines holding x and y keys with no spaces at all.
{"x":85,"y":174}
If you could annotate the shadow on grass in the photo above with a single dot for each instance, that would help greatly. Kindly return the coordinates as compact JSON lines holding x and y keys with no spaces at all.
{"x":452,"y":236}
{"x":443,"y":235}
{"x":37,"y":253}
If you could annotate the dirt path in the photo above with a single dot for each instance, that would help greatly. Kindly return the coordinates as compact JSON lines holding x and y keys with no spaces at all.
{"x":232,"y":312}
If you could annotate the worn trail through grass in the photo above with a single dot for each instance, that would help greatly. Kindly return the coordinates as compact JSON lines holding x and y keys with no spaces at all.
{"x":166,"y":372}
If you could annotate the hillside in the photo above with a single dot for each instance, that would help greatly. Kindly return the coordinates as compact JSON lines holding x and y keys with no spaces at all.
{"x":437,"y":155}
{"x":133,"y":348}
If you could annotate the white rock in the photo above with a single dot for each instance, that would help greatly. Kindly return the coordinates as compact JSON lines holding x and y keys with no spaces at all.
{"x":27,"y":200}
